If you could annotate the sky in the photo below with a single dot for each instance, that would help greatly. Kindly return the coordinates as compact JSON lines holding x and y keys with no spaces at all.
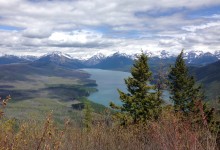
{"x":83,"y":28}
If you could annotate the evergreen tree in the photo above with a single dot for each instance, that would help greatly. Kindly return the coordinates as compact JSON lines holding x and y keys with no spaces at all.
{"x":141,"y":102}
{"x":87,"y":116}
{"x":184,"y":91}
{"x":187,"y":96}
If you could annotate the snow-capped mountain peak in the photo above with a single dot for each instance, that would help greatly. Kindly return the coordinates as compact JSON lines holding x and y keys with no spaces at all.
{"x":217,"y":54}
{"x":160,"y":54}
{"x":29,"y":57}
{"x":95,"y":59}
{"x":59,"y":54}
{"x":98,"y":56}
{"x":118,"y":54}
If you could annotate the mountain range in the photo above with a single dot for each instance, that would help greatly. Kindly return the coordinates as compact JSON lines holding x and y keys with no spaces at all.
{"x":116,"y":61}
{"x":205,"y":66}
{"x":58,"y":59}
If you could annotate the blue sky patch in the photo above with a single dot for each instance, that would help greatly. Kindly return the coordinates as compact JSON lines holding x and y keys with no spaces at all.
{"x":11,"y":28}
{"x":203,"y":12}
{"x":160,"y":12}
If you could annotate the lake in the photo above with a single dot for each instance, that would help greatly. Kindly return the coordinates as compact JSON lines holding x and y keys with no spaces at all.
{"x":108,"y":82}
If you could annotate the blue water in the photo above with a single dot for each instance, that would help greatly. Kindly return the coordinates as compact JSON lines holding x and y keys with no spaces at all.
{"x":108,"y":82}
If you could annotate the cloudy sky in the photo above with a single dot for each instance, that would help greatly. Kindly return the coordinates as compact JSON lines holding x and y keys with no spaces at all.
{"x":86,"y":27}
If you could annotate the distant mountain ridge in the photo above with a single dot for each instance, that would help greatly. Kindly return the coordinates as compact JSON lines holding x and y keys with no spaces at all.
{"x":10,"y":59}
{"x":201,"y":58}
{"x":116,"y":61}
{"x":124,"y":61}
{"x":59,"y":59}
{"x":95,"y":59}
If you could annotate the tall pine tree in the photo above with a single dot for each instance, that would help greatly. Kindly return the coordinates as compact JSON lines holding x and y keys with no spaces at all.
{"x":184,"y":91}
{"x":141,"y":103}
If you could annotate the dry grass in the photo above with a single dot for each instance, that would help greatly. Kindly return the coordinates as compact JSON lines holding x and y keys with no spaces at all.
{"x":169,"y":133}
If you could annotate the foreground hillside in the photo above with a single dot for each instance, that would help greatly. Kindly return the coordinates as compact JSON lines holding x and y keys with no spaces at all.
{"x":167,"y":133}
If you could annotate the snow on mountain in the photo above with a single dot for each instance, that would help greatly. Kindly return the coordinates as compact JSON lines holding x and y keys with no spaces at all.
{"x":118,"y":54}
{"x":98,"y":56}
{"x":29,"y":57}
{"x":188,"y":55}
{"x":192,"y":54}
{"x":59,"y":54}
{"x":9,"y":59}
{"x":192,"y":57}
{"x":95,"y":59}
{"x":200,"y":57}
{"x":54,"y":57}
{"x":58,"y":59}
{"x":165,"y":54}
{"x":217,"y":54}
{"x":160,"y":54}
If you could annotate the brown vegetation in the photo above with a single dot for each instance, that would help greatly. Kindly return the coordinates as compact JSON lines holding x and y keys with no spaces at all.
{"x":168,"y":132}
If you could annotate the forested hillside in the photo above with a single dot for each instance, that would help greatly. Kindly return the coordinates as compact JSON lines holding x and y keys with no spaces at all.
{"x":209,"y":76}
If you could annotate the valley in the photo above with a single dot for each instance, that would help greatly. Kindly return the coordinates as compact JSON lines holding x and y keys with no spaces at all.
{"x":56,"y":82}
{"x":35,"y":91}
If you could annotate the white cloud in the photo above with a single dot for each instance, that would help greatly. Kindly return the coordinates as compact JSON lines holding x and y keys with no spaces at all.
{"x":82,"y":38}
{"x":194,"y":28}
{"x":86,"y":26}
{"x":44,"y":32}
{"x":75,"y":37}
